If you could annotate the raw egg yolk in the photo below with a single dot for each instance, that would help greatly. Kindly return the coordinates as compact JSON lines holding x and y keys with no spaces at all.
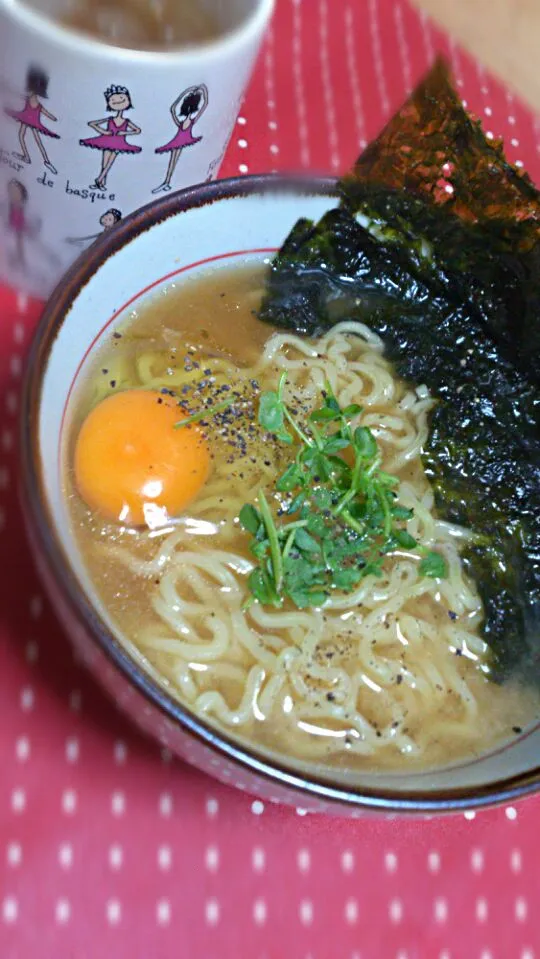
{"x":132,"y":465}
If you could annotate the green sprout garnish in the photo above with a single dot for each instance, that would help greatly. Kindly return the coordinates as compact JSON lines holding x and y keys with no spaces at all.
{"x":339,"y":516}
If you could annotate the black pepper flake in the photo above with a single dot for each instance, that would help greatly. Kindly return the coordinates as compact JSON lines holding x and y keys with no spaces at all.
{"x":105,"y":372}
{"x":117,"y":336}
{"x":517,"y":730}
{"x":330,"y":697}
{"x":160,"y":399}
{"x":113,"y":383}
{"x":452,"y":615}
{"x":399,"y":679}
{"x":459,"y":652}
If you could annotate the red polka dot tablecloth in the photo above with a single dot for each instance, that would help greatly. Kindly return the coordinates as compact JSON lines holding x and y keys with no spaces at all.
{"x":111,"y":849}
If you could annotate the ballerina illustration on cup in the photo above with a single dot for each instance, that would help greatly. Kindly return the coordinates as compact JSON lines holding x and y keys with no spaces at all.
{"x":186,"y":110}
{"x":18,"y":223}
{"x":107,"y":220}
{"x":29,"y":117}
{"x":112,"y":133}
{"x":24,"y":228}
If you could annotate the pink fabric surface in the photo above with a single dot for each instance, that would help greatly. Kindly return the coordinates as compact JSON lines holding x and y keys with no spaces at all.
{"x":110,"y":849}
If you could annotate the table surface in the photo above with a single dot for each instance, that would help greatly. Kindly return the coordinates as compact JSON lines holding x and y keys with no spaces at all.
{"x":108,"y":847}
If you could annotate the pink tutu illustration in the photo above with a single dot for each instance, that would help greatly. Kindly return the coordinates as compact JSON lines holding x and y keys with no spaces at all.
{"x":24,"y":229}
{"x":112,"y":133}
{"x":19,"y":224}
{"x":29,"y":117}
{"x":186,"y":110}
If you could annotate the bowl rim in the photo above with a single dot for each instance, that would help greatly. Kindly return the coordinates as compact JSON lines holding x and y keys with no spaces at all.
{"x":245,"y":757}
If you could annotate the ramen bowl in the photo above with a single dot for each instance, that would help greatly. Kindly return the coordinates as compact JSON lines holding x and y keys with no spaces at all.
{"x":230,"y":222}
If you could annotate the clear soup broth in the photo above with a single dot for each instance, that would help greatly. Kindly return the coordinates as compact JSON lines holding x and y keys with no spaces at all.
{"x":389,"y":676}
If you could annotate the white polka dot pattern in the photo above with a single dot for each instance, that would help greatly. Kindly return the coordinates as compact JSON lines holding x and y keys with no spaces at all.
{"x":14,"y":854}
{"x":62,"y":911}
{"x":65,"y":855}
{"x":211,"y":912}
{"x":111,"y":847}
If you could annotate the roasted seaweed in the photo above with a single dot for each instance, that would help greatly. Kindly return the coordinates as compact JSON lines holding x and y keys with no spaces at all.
{"x":450,"y":280}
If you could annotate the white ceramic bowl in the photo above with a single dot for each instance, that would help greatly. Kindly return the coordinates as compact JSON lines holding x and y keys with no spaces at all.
{"x":227,"y":222}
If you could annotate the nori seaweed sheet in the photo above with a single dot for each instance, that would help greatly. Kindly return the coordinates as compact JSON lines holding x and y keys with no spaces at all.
{"x":435,"y":245}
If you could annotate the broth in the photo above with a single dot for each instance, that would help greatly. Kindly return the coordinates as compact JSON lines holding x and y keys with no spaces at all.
{"x":389,"y":677}
{"x":137,"y":25}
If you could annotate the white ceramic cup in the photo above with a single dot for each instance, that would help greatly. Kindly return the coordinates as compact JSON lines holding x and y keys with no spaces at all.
{"x":90,"y":132}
